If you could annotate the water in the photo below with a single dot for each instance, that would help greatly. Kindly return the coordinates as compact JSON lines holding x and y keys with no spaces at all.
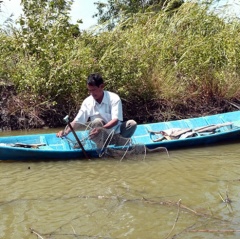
{"x":160,"y":197}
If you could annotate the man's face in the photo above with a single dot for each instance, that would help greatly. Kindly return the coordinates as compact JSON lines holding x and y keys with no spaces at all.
{"x":96,"y":92}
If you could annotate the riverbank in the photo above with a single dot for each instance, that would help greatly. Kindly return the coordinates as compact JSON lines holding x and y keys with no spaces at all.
{"x":22,"y":112}
{"x":163,"y":66}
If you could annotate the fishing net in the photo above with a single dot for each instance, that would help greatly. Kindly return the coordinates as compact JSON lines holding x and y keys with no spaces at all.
{"x":108,"y":144}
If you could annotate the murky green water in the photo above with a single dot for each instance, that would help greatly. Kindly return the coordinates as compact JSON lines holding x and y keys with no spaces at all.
{"x":160,"y":197}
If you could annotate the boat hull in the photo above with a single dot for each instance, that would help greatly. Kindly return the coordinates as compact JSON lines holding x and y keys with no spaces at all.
{"x":49,"y":147}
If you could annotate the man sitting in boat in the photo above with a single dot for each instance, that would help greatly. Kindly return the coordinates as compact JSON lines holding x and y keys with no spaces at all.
{"x":104,"y":109}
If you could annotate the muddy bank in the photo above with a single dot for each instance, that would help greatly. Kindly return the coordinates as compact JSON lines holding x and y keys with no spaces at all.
{"x":25,"y":112}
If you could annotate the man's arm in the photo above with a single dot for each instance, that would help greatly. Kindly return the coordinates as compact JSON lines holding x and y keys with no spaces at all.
{"x":110,"y":124}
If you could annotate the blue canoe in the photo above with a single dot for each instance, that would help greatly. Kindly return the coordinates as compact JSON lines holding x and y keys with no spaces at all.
{"x":172,"y":134}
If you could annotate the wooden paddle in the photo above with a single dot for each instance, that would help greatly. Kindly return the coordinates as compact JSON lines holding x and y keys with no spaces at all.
{"x":66,"y":119}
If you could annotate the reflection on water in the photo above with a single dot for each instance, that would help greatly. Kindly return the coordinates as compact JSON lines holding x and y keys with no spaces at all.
{"x":160,"y":197}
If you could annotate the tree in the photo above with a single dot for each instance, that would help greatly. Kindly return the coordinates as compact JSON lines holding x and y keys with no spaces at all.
{"x":43,"y":18}
{"x":45,"y":41}
{"x":112,"y":12}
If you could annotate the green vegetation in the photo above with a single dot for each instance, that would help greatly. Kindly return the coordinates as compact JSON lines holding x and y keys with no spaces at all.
{"x":115,"y":11}
{"x":165,"y":64}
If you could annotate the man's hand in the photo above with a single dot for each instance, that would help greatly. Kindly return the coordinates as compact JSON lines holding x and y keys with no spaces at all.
{"x":60,"y":134}
{"x":94,"y":132}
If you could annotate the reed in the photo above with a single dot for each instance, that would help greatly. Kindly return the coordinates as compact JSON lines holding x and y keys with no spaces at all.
{"x":167,"y":63}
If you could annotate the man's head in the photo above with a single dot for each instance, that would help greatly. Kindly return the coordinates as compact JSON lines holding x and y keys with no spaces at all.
{"x":95,"y":86}
{"x":95,"y":80}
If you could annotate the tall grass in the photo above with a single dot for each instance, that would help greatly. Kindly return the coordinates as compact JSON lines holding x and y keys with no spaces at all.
{"x":191,"y":52}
